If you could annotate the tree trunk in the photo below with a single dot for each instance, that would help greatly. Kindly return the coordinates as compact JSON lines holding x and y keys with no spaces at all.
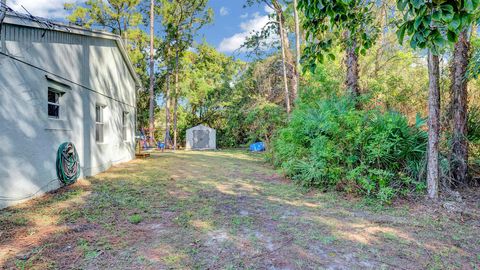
{"x":351,"y":62}
{"x":175,"y":100}
{"x":459,"y":154}
{"x":167,"y":111}
{"x":433,"y":172}
{"x":284,"y":64}
{"x":175,"y":106}
{"x":297,"y":47}
{"x":151,"y":128}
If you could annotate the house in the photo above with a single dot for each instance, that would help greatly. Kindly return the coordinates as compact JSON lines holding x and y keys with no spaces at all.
{"x":201,"y":138}
{"x":61,"y":83}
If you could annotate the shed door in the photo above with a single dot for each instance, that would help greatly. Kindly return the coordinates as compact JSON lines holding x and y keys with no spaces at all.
{"x":201,"y":139}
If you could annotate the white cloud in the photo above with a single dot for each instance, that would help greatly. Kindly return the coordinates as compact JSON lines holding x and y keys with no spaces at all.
{"x":244,"y":16}
{"x":224,"y":11}
{"x":268,"y":10}
{"x":42,"y":8}
{"x":233,"y":43}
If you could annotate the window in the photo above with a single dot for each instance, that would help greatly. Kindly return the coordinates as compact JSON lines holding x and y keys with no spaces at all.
{"x":125,"y":126}
{"x":53,"y":104}
{"x":99,"y":123}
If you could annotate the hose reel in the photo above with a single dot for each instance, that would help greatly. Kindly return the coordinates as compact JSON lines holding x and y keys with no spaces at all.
{"x":68,"y":163}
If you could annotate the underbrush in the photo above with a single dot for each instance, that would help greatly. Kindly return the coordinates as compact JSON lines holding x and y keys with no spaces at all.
{"x":330,"y":144}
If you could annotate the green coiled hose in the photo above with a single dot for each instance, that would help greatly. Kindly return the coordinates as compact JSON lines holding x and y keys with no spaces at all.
{"x":68,"y":163}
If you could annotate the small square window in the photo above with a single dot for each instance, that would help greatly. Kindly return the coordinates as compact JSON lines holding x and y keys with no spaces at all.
{"x":53,"y":104}
{"x":99,"y":124}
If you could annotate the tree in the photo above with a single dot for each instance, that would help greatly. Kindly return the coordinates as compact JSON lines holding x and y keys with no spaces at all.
{"x":117,"y":16}
{"x":152,"y":72}
{"x":351,"y":21}
{"x":297,"y":46}
{"x":433,"y":173}
{"x":207,"y":75}
{"x":259,"y":41}
{"x":432,"y":25}
{"x":459,"y":105}
{"x":182,"y":19}
{"x":283,"y":42}
{"x":165,"y":53}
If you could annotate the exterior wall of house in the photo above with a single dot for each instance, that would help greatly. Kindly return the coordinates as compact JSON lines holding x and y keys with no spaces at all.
{"x":194,"y":142}
{"x":88,"y":71}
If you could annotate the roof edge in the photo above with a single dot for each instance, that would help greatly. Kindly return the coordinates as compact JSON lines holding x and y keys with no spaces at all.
{"x":12,"y":18}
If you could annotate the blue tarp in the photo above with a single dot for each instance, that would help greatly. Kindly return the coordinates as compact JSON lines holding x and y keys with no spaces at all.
{"x":257,"y":147}
{"x":161,"y":145}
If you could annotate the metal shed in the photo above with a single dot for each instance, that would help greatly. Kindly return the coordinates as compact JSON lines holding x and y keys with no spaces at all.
{"x":201,"y":138}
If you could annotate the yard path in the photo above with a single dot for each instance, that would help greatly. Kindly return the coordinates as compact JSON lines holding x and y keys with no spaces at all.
{"x":224,"y":210}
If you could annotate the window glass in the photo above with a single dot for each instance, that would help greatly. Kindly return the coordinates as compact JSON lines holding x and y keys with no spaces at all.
{"x":99,"y":123}
{"x":124,"y":126}
{"x":53,"y":104}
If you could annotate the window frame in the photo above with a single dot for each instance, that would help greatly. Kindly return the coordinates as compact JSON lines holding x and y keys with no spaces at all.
{"x":58,"y":94}
{"x":125,"y":126}
{"x":99,"y":123}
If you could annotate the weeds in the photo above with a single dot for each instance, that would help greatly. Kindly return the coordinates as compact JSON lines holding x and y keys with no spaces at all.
{"x":135,"y":219}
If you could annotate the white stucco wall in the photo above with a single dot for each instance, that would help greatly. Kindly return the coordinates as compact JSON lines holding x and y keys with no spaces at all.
{"x":97,"y":74}
{"x":212,"y":142}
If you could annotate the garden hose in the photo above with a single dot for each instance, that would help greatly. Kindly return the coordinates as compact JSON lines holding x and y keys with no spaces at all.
{"x":68,"y":163}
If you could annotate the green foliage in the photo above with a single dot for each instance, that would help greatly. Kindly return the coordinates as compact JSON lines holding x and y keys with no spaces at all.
{"x":474,"y":125}
{"x":121,"y":17}
{"x":243,"y":102}
{"x":256,"y":104}
{"x":326,"y":21}
{"x":330,"y":144}
{"x":114,"y":15}
{"x":263,"y":120}
{"x":206,"y":88}
{"x":396,"y":77}
{"x":135,"y":219}
{"x":181,"y":20}
{"x":434,"y":24}
{"x":474,"y":65}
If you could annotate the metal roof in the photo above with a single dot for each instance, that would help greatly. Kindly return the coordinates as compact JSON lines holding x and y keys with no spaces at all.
{"x":36,"y":22}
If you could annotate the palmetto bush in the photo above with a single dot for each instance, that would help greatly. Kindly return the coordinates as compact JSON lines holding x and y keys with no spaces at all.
{"x":330,"y":144}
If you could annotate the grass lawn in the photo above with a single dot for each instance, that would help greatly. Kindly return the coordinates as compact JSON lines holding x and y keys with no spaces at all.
{"x":225,"y":210}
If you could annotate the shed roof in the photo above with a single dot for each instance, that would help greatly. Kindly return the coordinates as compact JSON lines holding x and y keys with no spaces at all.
{"x":201,"y":127}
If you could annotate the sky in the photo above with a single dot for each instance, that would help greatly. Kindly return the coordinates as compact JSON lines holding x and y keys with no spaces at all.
{"x":231,"y":25}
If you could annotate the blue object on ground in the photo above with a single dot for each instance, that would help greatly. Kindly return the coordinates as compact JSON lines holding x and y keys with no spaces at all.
{"x":161,"y":145}
{"x":257,"y":147}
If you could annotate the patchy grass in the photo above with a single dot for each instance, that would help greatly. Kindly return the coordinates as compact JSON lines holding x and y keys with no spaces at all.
{"x":135,"y":219}
{"x":225,"y":210}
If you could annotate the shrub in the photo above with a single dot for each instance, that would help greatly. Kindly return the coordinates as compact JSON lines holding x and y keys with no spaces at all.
{"x":330,"y":144}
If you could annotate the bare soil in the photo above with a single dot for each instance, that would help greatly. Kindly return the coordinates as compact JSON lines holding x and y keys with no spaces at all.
{"x":229,"y":210}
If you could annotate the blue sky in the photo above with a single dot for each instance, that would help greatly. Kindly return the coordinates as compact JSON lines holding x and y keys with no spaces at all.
{"x":232,"y":22}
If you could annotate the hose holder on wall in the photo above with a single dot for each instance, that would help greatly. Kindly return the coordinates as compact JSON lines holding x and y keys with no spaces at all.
{"x":68,"y":163}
